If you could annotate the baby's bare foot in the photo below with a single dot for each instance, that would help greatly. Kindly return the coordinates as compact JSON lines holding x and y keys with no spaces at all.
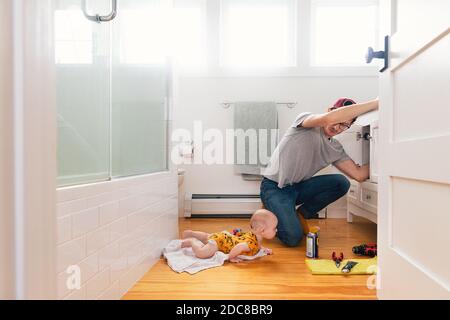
{"x":187,"y":234}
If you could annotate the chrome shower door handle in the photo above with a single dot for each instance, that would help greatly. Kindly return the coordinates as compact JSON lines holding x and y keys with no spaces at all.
{"x":98,"y":18}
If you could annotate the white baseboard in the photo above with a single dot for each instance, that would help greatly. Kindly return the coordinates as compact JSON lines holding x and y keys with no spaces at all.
{"x":231,"y":207}
{"x":224,"y":206}
{"x":337,"y":213}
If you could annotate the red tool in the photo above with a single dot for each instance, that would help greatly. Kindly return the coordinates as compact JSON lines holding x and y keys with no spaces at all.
{"x":369,"y":249}
{"x":337,"y":260}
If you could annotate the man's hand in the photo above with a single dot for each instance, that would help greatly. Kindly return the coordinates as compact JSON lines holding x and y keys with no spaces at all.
{"x":354,"y":171}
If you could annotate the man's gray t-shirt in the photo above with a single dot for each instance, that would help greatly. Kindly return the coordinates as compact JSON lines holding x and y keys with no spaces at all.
{"x":301,"y":153}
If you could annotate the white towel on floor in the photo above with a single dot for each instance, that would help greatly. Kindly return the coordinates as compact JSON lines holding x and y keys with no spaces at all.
{"x":184,"y":259}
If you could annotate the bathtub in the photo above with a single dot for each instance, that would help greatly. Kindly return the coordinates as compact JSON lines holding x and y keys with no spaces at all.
{"x":109,"y":234}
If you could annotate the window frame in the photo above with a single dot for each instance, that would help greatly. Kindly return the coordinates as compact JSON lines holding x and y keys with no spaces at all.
{"x":223,"y":63}
{"x":303,"y":67}
{"x":314,"y":4}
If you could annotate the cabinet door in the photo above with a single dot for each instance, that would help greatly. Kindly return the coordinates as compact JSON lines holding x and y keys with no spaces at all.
{"x":353,"y":143}
{"x":374,"y":152}
{"x":368,"y":197}
{"x":353,"y":192}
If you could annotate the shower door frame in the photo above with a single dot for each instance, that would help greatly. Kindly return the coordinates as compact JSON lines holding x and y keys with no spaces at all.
{"x":31,"y":135}
{"x":6,"y":159}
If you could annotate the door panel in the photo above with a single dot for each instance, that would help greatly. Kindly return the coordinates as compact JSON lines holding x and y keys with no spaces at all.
{"x":422,"y":242}
{"x":416,"y":24}
{"x":428,"y":74}
{"x":414,"y":140}
{"x":429,"y":153}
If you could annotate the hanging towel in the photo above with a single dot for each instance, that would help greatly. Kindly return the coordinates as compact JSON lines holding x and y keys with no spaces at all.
{"x":326,"y":266}
{"x":251,"y":177}
{"x":184,"y":259}
{"x":256,"y":116}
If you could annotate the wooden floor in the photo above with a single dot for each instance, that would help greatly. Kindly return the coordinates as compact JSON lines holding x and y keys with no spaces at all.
{"x":283,"y":275}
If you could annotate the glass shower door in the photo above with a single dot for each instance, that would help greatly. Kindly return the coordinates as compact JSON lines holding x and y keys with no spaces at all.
{"x":139,"y":87}
{"x":83,"y":59}
{"x":112,"y":89}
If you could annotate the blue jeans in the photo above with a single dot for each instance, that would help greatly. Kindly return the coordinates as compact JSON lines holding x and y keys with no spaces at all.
{"x":313,"y":194}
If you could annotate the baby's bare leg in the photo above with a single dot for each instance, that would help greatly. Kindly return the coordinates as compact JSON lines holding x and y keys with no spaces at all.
{"x":202,"y":236}
{"x":204,"y":251}
{"x":186,"y":243}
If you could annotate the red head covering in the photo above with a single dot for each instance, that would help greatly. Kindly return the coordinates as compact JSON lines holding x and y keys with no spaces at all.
{"x":343,"y":102}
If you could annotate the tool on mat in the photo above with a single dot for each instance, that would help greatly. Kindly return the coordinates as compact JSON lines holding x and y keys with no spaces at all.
{"x":337,"y":260}
{"x":369,"y":249}
{"x":349,"y":266}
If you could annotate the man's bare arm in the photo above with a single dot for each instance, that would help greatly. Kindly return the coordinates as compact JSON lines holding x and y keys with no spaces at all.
{"x":354,"y":171}
{"x":339,"y":115}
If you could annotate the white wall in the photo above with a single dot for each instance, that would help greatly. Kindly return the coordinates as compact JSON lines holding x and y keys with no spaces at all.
{"x":114,"y":231}
{"x":199,"y":99}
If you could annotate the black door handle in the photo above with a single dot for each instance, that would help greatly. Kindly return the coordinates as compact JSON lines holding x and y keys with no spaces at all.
{"x":371,"y":54}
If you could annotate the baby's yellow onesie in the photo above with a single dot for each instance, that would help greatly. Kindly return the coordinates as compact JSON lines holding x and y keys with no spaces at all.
{"x":226,"y":241}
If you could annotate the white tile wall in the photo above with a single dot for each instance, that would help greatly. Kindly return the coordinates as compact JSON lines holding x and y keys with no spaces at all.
{"x":114,"y":231}
{"x":112,"y":293}
{"x":108,"y":212}
{"x":64,"y":226}
{"x":84,"y":221}
{"x":97,"y":239}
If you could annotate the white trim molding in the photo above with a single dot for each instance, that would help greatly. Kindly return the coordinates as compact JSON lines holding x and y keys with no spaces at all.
{"x":7,"y":290}
{"x":34,"y":150}
{"x":303,"y":67}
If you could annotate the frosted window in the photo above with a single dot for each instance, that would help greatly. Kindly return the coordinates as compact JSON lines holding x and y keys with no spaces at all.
{"x":177,"y":32}
{"x":73,"y":37}
{"x":189,"y":36}
{"x":342,"y":32}
{"x":258,"y":33}
{"x":138,"y":47}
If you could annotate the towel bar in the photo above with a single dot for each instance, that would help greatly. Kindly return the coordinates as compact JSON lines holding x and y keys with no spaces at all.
{"x":290,"y":105}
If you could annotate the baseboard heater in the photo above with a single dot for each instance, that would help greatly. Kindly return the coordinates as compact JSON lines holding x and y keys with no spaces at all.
{"x":224,"y":205}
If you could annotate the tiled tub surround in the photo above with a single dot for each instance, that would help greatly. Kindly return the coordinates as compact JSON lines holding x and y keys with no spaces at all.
{"x":114,"y":231}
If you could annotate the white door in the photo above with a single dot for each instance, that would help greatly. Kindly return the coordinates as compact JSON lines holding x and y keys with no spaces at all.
{"x":414,"y":159}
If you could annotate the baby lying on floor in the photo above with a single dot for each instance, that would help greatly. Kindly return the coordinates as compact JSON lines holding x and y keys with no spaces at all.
{"x":263,"y":225}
